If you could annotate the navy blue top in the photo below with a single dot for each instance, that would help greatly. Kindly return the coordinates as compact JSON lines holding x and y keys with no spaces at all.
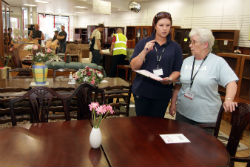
{"x":171,"y":61}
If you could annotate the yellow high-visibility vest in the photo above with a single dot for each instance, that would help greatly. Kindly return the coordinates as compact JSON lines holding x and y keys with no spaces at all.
{"x":120,"y":44}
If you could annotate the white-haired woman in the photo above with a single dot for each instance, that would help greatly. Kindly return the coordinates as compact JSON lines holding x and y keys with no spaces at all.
{"x":196,"y":100}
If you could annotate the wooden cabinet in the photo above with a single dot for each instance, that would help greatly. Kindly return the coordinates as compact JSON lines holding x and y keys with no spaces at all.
{"x":240,"y":63}
{"x":81,"y":35}
{"x":181,"y":36}
{"x":244,"y":75}
{"x":136,"y":33}
{"x":225,"y":40}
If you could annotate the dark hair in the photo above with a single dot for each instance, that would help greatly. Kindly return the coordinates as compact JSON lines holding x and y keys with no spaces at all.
{"x":159,"y":16}
{"x":100,"y":25}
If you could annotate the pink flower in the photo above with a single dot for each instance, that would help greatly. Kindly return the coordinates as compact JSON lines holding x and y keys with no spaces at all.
{"x":35,"y":47}
{"x":109,"y":109}
{"x":92,"y":82}
{"x":101,"y":109}
{"x":48,"y":50}
{"x":93,"y":105}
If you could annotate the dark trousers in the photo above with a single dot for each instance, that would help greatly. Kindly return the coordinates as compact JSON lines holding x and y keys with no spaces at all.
{"x":62,"y":47}
{"x":150,"y":107}
{"x":182,"y":118}
{"x":96,"y":57}
{"x":116,"y":60}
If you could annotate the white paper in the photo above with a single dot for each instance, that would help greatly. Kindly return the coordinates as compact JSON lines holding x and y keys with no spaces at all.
{"x":174,"y":138}
{"x":149,"y":74}
{"x":104,"y":81}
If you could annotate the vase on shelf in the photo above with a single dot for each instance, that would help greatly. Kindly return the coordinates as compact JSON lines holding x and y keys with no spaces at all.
{"x":95,"y":138}
{"x":40,"y":72}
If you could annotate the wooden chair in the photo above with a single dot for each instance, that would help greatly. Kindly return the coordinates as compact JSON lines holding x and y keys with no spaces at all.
{"x":72,"y":52}
{"x":84,"y":95}
{"x":119,"y":97}
{"x":40,"y":99}
{"x":240,"y":120}
{"x":215,"y":126}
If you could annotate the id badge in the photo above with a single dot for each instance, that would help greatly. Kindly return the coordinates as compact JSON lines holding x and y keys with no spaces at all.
{"x":188,"y":94}
{"x":158,"y":72}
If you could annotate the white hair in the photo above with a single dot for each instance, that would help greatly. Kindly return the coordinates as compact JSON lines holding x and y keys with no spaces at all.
{"x":205,"y":35}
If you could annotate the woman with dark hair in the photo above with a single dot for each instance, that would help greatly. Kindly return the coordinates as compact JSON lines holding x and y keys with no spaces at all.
{"x":161,"y":56}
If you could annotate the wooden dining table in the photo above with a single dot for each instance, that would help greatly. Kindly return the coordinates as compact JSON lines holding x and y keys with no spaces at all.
{"x":56,"y":83}
{"x":126,"y":141}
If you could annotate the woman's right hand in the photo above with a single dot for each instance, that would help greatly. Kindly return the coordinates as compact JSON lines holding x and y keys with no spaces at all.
{"x":172,"y":110}
{"x":149,"y":46}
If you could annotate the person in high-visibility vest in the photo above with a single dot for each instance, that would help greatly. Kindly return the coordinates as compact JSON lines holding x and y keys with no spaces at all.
{"x":118,"y":50}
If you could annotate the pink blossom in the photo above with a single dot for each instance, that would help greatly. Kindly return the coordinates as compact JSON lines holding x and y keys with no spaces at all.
{"x":92,"y":82}
{"x":35,"y":47}
{"x":109,"y":109}
{"x":101,"y":109}
{"x":93,"y":105}
{"x":48,"y":50}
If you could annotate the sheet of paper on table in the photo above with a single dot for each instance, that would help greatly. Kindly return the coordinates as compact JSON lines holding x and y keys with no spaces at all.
{"x":149,"y":74}
{"x":104,"y":81}
{"x":174,"y":138}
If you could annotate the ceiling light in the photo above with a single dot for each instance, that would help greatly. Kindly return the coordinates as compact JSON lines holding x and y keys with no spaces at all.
{"x":41,"y":1}
{"x":81,"y":7}
{"x":31,"y":5}
{"x":134,"y":6}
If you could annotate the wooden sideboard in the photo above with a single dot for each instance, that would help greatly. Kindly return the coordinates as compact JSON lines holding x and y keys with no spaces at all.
{"x":240,"y":63}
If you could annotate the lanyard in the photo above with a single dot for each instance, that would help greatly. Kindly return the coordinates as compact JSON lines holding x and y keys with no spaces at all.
{"x":159,"y":56}
{"x":192,"y":77}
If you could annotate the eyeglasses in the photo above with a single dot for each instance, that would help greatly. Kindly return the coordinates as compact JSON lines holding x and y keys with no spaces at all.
{"x":193,"y":42}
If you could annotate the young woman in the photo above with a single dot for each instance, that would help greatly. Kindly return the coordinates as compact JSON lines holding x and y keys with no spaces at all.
{"x":161,"y":56}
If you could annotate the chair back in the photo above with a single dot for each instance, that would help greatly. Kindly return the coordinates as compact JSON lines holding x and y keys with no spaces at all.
{"x":84,"y":95}
{"x":240,"y":120}
{"x":119,"y":98}
{"x":40,"y":99}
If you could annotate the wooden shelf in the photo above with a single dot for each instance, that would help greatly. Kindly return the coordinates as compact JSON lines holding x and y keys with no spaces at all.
{"x":81,"y":35}
{"x":232,"y":38}
{"x":240,"y":63}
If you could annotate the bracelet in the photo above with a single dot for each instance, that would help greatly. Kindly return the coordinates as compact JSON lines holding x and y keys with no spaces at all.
{"x":228,"y":98}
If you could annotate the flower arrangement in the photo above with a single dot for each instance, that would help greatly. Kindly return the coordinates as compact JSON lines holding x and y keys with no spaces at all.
{"x":99,"y":112}
{"x":88,"y":75}
{"x":41,"y":56}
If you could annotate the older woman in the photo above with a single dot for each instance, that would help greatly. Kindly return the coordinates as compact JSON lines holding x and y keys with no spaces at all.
{"x":161,"y":56}
{"x":198,"y":100}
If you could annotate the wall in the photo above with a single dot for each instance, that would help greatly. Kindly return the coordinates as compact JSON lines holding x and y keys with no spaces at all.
{"x":213,"y":14}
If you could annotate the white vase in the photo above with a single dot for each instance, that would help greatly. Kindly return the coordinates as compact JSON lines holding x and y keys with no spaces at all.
{"x":95,"y":138}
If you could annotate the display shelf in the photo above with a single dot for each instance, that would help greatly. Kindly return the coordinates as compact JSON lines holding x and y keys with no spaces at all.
{"x":81,"y":35}
{"x":225,"y":40}
{"x":181,"y":36}
{"x":244,"y":80}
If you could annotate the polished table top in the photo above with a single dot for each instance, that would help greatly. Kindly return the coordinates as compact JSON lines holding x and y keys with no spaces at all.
{"x":135,"y":141}
{"x":59,"y":82}
{"x":127,"y":141}
{"x":49,"y":144}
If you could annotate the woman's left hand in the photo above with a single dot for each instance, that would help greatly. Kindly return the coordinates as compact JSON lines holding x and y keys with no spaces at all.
{"x":167,"y":80}
{"x":229,"y":105}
